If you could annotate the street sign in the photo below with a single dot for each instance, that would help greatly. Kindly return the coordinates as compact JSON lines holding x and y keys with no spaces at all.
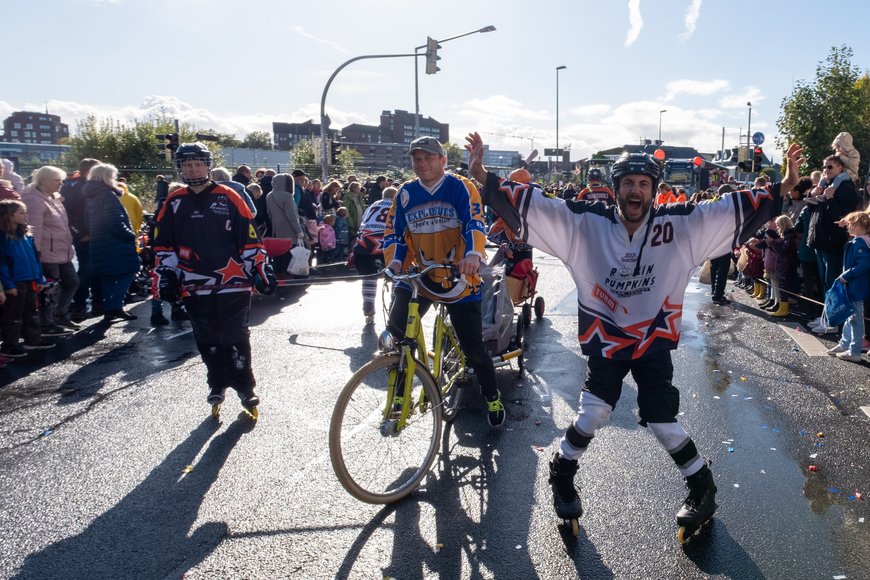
{"x":758,"y":138}
{"x":553,"y":152}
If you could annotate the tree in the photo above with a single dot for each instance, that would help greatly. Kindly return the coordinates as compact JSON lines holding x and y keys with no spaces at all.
{"x":303,"y":156}
{"x":837,"y":100}
{"x":257,"y":140}
{"x":454,"y":154}
{"x":347,"y":160}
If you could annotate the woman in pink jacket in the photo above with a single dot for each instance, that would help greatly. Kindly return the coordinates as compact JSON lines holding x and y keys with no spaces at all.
{"x":48,"y":222}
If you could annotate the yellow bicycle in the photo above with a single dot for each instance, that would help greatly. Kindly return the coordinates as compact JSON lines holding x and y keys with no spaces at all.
{"x":387,"y":421}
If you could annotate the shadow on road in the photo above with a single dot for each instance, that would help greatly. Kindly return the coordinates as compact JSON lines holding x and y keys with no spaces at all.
{"x":148,"y":533}
{"x":728,"y":560}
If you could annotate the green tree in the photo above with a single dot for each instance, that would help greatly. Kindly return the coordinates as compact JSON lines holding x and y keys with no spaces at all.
{"x":837,"y":100}
{"x":347,"y":160}
{"x":257,"y":140}
{"x":303,"y":156}
{"x":454,"y":154}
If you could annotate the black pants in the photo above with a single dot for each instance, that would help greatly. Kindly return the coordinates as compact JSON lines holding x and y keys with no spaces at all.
{"x":220,"y":327}
{"x":658,"y":400}
{"x":87,"y":282}
{"x":20,"y":316}
{"x":719,"y":274}
{"x":466,"y":320}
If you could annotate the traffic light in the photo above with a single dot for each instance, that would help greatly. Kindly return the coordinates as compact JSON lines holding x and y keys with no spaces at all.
{"x":757,"y":157}
{"x":334,"y":150}
{"x":432,"y":57}
{"x":167,"y":149}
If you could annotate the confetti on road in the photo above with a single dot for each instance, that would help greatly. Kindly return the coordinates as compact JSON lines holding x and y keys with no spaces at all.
{"x":833,"y":490}
{"x":48,"y":431}
{"x":716,"y":397}
{"x":820,"y":434}
{"x":813,"y":468}
{"x":775,"y":430}
{"x":773,"y":448}
{"x":860,"y":520}
{"x":747,"y":398}
{"x":813,"y":455}
{"x":730,"y":450}
{"x":187,"y":469}
{"x":744,"y":379}
{"x":519,"y":547}
{"x":438,"y":547}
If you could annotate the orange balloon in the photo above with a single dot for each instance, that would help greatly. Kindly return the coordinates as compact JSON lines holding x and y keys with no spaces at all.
{"x":698,"y":161}
{"x":659,"y":154}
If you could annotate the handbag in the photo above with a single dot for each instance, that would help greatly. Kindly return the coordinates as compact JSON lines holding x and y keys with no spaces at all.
{"x":837,"y":305}
{"x":298,"y":261}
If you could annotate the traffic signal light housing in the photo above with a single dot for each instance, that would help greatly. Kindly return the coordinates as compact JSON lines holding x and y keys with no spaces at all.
{"x":334,"y":150}
{"x":167,"y":149}
{"x":432,"y":57}
{"x":757,"y":157}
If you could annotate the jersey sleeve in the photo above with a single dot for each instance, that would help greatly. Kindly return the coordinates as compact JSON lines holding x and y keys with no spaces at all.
{"x":164,"y":243}
{"x":395,"y":245}
{"x":541,"y":221}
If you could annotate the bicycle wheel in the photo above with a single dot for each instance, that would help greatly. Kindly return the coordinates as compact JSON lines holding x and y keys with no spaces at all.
{"x":452,"y":378}
{"x":374,"y":460}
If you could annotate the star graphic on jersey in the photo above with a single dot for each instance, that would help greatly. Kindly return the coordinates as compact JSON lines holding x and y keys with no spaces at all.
{"x":513,"y":190}
{"x":756,"y":195}
{"x":597,"y":337}
{"x":232,"y":270}
{"x":665,"y":325}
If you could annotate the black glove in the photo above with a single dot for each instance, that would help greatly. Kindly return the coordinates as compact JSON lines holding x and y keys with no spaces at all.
{"x":168,"y":285}
{"x":264,"y":280}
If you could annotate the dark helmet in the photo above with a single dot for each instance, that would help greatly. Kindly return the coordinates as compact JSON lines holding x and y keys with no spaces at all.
{"x":595,"y":174}
{"x":189,"y":152}
{"x":636,"y":164}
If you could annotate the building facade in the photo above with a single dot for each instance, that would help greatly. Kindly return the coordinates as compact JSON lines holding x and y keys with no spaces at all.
{"x":40,"y":128}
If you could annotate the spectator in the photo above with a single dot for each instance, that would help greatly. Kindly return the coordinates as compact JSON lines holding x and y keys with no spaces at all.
{"x":665,"y":194}
{"x":54,"y":244}
{"x":596,"y":190}
{"x":845,"y":150}
{"x":342,"y":233}
{"x":300,"y":182}
{"x":719,"y":266}
{"x":785,"y":249}
{"x":368,"y":250}
{"x":856,"y":266}
{"x":308,"y":199}
{"x":330,"y":199}
{"x":112,"y":240}
{"x":133,"y":207}
{"x":8,"y":173}
{"x":326,"y":240}
{"x":7,"y":189}
{"x":21,"y":278}
{"x":799,"y":212}
{"x":264,"y":223}
{"x":376,"y":193}
{"x":243,"y":175}
{"x":222,"y":176}
{"x":355,"y":205}
{"x":74,"y":202}
{"x":162,"y":188}
{"x":284,"y":217}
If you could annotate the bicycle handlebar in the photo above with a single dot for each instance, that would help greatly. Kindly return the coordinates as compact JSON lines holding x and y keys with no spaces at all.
{"x":411,"y":276}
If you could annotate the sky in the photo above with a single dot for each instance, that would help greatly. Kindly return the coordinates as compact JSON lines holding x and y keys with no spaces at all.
{"x":236,"y":66}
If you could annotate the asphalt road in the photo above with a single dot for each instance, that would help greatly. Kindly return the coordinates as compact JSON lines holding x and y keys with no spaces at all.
{"x":111,"y":466}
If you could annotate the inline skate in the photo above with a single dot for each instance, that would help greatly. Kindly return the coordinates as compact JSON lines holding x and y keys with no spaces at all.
{"x":566,"y":501}
{"x":700,"y":505}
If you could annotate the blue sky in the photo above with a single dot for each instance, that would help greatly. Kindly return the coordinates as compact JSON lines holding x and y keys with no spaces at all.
{"x":236,"y":66}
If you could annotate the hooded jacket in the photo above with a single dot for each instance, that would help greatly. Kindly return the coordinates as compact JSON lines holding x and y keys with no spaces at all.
{"x":856,"y":268}
{"x":49,"y":226}
{"x":282,"y":208}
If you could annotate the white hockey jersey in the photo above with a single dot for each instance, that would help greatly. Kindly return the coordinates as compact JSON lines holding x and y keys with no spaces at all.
{"x":630,"y":290}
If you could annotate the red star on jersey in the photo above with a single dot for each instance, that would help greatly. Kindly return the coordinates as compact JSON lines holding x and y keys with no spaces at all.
{"x":756,"y":195}
{"x":598,"y":333}
{"x":232,"y":270}
{"x":664,"y":325}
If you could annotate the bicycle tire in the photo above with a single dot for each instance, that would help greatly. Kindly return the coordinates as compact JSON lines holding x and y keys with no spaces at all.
{"x":372,"y":466}
{"x":450,"y":381}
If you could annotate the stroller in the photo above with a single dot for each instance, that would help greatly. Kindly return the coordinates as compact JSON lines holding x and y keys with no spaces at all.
{"x":522,"y":276}
{"x":502,"y":340}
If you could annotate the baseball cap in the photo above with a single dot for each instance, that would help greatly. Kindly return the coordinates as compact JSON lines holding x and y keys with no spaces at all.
{"x":428,"y":144}
{"x":298,"y":173}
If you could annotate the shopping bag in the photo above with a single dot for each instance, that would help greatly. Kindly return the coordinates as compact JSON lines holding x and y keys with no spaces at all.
{"x":298,"y":261}
{"x":704,"y":274}
{"x":837,"y":305}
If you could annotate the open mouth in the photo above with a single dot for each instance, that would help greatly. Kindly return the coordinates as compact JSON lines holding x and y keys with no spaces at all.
{"x":635,"y":204}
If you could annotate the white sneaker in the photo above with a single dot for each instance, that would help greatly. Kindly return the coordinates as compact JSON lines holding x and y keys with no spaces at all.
{"x":837,"y":349}
{"x":825,"y":329}
{"x":849,"y":356}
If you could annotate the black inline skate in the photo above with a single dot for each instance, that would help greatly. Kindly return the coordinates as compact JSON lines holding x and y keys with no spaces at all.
{"x":699,"y":506}
{"x":250,"y":402}
{"x":215,"y":398}
{"x":566,"y":501}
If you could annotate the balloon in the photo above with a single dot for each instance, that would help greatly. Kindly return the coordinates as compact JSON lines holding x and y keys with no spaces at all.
{"x":659,"y":154}
{"x":698,"y":161}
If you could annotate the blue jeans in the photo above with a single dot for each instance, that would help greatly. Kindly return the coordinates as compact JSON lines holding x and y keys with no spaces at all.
{"x":830,"y":267}
{"x":853,"y":329}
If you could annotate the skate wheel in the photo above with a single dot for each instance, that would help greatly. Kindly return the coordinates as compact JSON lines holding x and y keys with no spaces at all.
{"x":575,"y":527}
{"x":253,"y":413}
{"x":683,"y":535}
{"x":216,"y":411}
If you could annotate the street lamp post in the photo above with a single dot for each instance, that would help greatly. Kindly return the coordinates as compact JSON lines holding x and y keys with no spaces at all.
{"x":748,"y":133}
{"x":660,"y":124}
{"x":489,"y":28}
{"x":324,"y":120}
{"x":558,"y":153}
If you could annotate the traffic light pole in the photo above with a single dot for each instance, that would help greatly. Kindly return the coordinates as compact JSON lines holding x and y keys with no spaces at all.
{"x":324,"y":160}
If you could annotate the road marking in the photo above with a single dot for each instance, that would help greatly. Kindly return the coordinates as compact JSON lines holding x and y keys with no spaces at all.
{"x":866,"y":410}
{"x":811,"y":345}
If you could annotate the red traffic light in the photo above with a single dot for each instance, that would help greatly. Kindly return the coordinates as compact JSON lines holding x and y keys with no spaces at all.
{"x":758,"y":151}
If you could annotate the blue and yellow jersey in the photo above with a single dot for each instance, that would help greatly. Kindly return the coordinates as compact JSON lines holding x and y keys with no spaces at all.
{"x":433,"y":227}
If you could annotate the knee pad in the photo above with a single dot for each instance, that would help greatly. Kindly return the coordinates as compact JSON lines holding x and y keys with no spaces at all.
{"x":594,"y":414}
{"x":670,"y":435}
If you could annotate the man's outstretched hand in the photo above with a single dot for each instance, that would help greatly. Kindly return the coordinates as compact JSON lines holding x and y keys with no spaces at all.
{"x":474,"y":146}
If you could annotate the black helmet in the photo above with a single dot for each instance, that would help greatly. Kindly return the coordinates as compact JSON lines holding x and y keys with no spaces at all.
{"x":189,"y":152}
{"x":636,"y":164}
{"x":595,"y":174}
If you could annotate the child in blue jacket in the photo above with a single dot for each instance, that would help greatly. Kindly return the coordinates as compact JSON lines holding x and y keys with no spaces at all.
{"x":22,"y":279}
{"x":856,"y":278}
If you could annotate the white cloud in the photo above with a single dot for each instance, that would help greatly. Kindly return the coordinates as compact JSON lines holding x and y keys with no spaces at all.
{"x":590,"y":112}
{"x":738,"y":101}
{"x":691,"y":19}
{"x":635,"y":20}
{"x":302,"y":32}
{"x":693,"y":87}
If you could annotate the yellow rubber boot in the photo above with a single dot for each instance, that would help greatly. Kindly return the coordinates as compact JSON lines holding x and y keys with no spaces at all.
{"x":759,"y":289}
{"x":782,"y":311}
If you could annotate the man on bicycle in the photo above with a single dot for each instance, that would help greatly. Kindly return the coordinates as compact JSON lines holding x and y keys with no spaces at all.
{"x":438,"y":219}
